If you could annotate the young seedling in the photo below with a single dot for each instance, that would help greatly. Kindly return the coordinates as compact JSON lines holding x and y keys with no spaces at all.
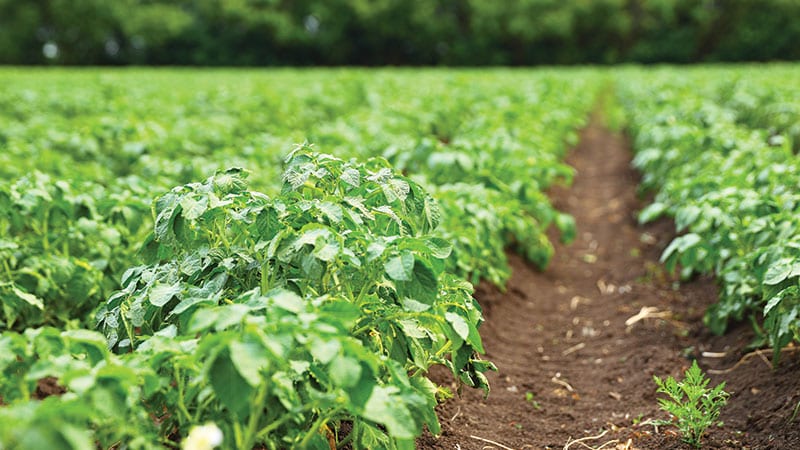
{"x":529,"y":397}
{"x":693,"y":405}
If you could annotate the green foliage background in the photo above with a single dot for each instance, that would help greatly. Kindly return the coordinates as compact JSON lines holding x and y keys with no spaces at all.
{"x":397,"y":32}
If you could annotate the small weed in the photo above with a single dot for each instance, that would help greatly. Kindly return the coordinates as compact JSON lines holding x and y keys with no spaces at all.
{"x":794,"y":412}
{"x":694,"y":406}
{"x":530,"y":399}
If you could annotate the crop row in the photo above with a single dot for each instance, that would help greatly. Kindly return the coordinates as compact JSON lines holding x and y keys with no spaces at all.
{"x":298,"y":304}
{"x":721,"y":155}
{"x":484,"y":141}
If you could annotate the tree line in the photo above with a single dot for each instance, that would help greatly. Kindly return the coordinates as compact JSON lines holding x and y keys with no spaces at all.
{"x":396,"y":32}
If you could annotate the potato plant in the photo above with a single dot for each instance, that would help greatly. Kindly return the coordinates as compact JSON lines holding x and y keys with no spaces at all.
{"x":63,"y":247}
{"x":352,"y":244}
{"x":730,"y":183}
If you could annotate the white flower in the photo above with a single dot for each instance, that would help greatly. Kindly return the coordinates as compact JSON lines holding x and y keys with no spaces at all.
{"x":203,"y":437}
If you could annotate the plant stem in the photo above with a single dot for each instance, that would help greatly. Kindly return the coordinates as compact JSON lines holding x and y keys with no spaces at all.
{"x":221,"y":233}
{"x":314,"y":430}
{"x":8,"y":270}
{"x":255,"y":414}
{"x":45,"y":242}
{"x":265,"y":277}
{"x":349,"y":438}
{"x":181,"y":404}
{"x":264,"y":432}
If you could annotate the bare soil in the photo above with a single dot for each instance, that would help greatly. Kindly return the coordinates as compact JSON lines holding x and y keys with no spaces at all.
{"x":578,"y":344}
{"x":46,"y":387}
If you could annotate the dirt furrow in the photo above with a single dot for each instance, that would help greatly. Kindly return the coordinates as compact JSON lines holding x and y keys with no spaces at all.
{"x":575,"y":349}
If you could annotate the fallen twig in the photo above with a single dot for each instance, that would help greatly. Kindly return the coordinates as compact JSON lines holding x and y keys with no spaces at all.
{"x":648,"y":312}
{"x":759,"y":353}
{"x":491,"y":442}
{"x":562,"y":383}
{"x":458,"y":412}
{"x":581,"y":441}
{"x":605,"y":288}
{"x":611,"y":442}
{"x":575,"y":301}
{"x":573,"y":349}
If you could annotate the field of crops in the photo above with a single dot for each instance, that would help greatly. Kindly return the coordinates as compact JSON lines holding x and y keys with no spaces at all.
{"x":287,"y":254}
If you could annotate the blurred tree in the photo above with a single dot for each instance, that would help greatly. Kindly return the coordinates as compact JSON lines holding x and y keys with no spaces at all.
{"x":757,"y":30}
{"x":395,"y":32}
{"x":670,"y":30}
{"x":21,"y":33}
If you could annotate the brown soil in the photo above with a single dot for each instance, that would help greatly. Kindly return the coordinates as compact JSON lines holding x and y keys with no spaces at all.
{"x":46,"y":387}
{"x":569,"y":365}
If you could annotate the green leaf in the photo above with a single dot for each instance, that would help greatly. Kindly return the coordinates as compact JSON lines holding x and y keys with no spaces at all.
{"x":423,"y":286}
{"x":680,"y":244}
{"x":412,"y":305}
{"x":310,"y":234}
{"x":566,"y":226}
{"x":772,"y":303}
{"x":229,"y":181}
{"x":230,"y":315}
{"x":429,"y":390}
{"x":344,"y":371}
{"x":250,"y":360}
{"x":78,"y":438}
{"x":413,"y":329}
{"x":286,"y":300}
{"x":28,"y":298}
{"x":202,"y":319}
{"x":167,"y":208}
{"x":345,"y":313}
{"x":375,"y":249}
{"x":778,"y":272}
{"x":189,"y":302}
{"x":230,"y":387}
{"x":162,"y":293}
{"x":327,"y":252}
{"x":318,"y":442}
{"x":459,"y":324}
{"x":351,"y":176}
{"x":395,"y":189}
{"x":193,"y":208}
{"x":652,"y":212}
{"x":401,"y":267}
{"x":332,"y":211}
{"x":439,"y":248}
{"x":325,"y":350}
{"x":386,"y":408}
{"x":267,"y":224}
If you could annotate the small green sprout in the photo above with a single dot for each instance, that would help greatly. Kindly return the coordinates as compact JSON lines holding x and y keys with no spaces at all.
{"x":529,"y":398}
{"x":690,"y":401}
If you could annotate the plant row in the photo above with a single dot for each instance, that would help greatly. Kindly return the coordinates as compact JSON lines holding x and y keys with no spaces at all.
{"x":85,"y":162}
{"x":280,"y":319}
{"x":721,"y":157}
